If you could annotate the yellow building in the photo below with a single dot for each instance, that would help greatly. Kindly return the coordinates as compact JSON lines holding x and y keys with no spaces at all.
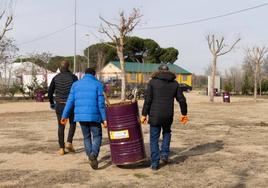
{"x":140,"y":73}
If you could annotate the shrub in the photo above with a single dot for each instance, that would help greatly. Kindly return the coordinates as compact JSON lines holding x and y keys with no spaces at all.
{"x":228,"y":86}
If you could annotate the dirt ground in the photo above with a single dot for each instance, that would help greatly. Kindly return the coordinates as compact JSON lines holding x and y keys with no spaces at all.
{"x":223,"y":145}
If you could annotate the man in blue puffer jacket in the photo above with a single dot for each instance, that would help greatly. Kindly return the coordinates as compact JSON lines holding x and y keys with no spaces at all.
{"x":86,"y":96}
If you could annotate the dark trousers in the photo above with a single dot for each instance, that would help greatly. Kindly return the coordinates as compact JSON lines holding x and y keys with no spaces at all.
{"x":154,"y":145}
{"x":59,"y":110}
{"x":92,"y":133}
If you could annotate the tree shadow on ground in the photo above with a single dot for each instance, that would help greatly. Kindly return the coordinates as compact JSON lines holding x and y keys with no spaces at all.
{"x":79,"y":150}
{"x":181,"y":156}
{"x":177,"y":155}
{"x":243,"y":175}
{"x":106,"y":159}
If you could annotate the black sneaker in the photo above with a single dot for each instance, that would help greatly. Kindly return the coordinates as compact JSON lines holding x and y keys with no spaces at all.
{"x":164,"y":159}
{"x":93,"y":162}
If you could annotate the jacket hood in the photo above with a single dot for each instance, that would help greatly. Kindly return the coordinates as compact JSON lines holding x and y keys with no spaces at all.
{"x":164,"y":75}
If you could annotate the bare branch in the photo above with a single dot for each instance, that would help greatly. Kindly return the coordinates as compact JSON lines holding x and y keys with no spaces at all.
{"x":133,"y":20}
{"x":108,"y":23}
{"x":102,"y":30}
{"x":220,"y":45}
{"x":209,"y":43}
{"x":213,"y":43}
{"x":6,"y":26}
{"x":230,"y":48}
{"x":110,"y":27}
{"x":2,"y":14}
{"x":262,"y":51}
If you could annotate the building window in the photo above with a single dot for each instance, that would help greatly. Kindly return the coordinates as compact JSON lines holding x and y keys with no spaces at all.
{"x":133,"y":76}
{"x":184,"y":78}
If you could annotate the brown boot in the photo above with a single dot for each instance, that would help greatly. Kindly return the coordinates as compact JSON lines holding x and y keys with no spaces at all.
{"x":61,"y":151}
{"x":69,"y":147}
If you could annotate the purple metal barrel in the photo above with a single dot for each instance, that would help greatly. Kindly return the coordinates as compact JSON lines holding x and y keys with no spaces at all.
{"x":39,"y":96}
{"x":125,"y":133}
{"x":226,"y":97}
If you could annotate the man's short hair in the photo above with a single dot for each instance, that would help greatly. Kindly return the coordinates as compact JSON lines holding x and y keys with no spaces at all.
{"x":64,"y":65}
{"x":90,"y":71}
{"x":163,"y":67}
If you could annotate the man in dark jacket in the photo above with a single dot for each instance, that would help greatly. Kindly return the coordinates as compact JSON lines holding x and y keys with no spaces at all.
{"x":159,"y":106}
{"x":87,"y":97}
{"x":60,"y":86}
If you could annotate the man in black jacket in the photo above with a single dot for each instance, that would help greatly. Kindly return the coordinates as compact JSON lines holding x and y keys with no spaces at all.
{"x":159,"y":106}
{"x":61,"y":85}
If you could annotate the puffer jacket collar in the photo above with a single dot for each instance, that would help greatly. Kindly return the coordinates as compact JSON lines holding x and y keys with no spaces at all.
{"x":164,"y":75}
{"x":89,"y":76}
{"x":65,"y":71}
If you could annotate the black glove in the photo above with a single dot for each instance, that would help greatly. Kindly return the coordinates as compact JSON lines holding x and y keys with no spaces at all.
{"x":52,"y":106}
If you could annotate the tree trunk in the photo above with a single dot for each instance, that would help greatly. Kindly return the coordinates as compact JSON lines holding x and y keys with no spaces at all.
{"x":212,"y":79}
{"x":120,"y":54}
{"x":260,"y":85}
{"x":259,"y":74}
{"x":99,"y":65}
{"x":255,"y":82}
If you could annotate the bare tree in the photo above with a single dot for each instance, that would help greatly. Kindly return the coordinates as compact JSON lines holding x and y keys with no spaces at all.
{"x":117,"y":33}
{"x":255,"y":56}
{"x":100,"y":63}
{"x":265,"y":66}
{"x":6,"y":18}
{"x":6,"y":45}
{"x":42,"y":60}
{"x":217,"y":48}
{"x":234,"y":76}
{"x":8,"y":51}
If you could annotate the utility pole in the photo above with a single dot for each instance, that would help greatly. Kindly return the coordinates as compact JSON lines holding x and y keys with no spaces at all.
{"x":5,"y":61}
{"x":74,"y":67}
{"x":88,"y":50}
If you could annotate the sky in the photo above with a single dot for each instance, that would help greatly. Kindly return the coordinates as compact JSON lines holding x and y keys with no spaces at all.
{"x":38,"y":18}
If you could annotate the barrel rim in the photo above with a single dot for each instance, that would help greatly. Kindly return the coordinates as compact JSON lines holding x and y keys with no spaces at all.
{"x":124,"y":103}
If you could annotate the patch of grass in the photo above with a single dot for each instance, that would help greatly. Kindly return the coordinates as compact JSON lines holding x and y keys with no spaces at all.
{"x":12,"y":174}
{"x":140,"y":175}
{"x":22,"y":134}
{"x":29,"y":148}
{"x":48,"y":178}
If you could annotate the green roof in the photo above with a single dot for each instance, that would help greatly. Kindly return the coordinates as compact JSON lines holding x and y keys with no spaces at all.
{"x":149,"y":67}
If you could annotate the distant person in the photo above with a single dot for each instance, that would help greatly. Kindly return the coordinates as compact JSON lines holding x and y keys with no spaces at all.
{"x":87,"y":97}
{"x":159,"y":106}
{"x":60,"y":86}
{"x":107,"y":89}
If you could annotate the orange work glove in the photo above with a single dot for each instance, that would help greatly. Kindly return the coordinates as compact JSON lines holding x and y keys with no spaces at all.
{"x":184,"y":119}
{"x":63,"y":121}
{"x":143,"y":120}
{"x":104,"y":124}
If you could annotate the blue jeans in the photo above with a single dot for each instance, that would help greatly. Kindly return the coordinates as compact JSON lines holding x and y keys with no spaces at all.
{"x":154,"y":146}
{"x":92,"y":133}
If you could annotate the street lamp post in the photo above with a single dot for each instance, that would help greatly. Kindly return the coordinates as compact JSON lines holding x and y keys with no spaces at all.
{"x":88,"y":50}
{"x":74,"y":65}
